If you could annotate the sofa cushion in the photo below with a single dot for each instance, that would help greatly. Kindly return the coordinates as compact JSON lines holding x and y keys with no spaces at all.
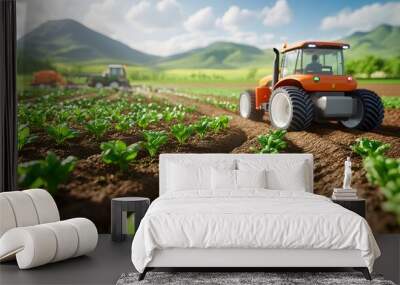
{"x":23,"y":208}
{"x":41,"y":244}
{"x":7,"y":220}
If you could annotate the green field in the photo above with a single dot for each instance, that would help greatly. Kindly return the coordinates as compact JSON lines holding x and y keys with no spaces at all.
{"x":225,"y":83}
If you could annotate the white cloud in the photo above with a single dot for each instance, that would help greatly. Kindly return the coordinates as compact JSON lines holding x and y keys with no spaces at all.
{"x":150,"y":16}
{"x":364,"y":18}
{"x":252,"y":38}
{"x":279,"y":14}
{"x":105,"y":17}
{"x":203,"y":19}
{"x":234,"y":18}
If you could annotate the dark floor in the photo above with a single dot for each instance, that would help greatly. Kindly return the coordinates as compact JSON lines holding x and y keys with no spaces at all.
{"x":103,"y":266}
{"x":110,"y":260}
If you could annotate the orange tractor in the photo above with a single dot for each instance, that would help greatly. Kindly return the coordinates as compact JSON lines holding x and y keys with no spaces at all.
{"x":47,"y":78}
{"x":309,"y":84}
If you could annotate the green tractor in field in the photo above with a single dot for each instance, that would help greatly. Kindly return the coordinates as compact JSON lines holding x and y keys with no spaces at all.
{"x":114,"y":77}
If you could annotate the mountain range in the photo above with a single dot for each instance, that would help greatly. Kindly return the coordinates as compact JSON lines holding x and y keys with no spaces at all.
{"x":70,"y":41}
{"x":383,"y":41}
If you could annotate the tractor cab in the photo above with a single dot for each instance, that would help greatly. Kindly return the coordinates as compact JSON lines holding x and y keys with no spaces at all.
{"x":115,"y":70}
{"x":310,"y":59}
{"x":309,"y":84}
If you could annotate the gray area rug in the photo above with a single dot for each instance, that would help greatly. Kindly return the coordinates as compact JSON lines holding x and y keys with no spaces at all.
{"x":243,"y":278}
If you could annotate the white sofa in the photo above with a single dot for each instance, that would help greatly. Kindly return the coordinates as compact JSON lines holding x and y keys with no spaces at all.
{"x":31,"y":231}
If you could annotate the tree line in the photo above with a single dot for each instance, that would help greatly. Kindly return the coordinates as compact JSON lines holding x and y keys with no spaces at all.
{"x":364,"y":67}
{"x":367,"y":66}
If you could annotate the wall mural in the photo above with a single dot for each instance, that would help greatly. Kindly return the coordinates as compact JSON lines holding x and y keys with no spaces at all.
{"x":104,"y":87}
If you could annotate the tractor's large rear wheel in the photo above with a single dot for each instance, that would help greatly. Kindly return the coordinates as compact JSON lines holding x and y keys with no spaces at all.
{"x":369,"y":111}
{"x":290,"y":108}
{"x":247,"y":106}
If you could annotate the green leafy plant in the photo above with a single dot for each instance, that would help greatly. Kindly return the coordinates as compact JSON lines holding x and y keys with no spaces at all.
{"x":202,"y":126}
{"x":79,"y":115}
{"x":124,"y":124}
{"x":367,"y":147}
{"x":143,"y":120}
{"x":47,"y":173}
{"x":24,"y":136}
{"x":62,"y":116}
{"x":219,"y":123}
{"x":273,"y":142}
{"x":384,"y":172}
{"x":118,"y":153}
{"x":61,"y":133}
{"x":98,"y":127}
{"x":153,"y":140}
{"x":391,"y":102}
{"x":182,"y":132}
{"x":168,"y":114}
{"x":37,"y":118}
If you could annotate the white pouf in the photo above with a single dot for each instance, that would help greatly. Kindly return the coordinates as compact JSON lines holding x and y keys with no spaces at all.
{"x":31,"y":230}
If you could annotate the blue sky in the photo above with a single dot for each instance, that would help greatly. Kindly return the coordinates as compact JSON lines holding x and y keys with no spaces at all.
{"x":167,"y":27}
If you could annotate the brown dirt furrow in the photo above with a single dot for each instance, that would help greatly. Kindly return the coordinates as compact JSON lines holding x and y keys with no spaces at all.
{"x":382,"y":89}
{"x":330,"y":145}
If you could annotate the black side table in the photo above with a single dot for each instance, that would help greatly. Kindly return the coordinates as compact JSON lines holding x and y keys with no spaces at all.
{"x":120,"y":208}
{"x":357,"y":206}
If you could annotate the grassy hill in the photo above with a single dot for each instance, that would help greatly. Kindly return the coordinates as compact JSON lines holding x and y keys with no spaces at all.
{"x":220,"y":55}
{"x":383,"y":41}
{"x":70,"y":41}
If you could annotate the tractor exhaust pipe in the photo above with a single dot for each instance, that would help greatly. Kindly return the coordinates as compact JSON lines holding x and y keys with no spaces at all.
{"x":275,"y":76}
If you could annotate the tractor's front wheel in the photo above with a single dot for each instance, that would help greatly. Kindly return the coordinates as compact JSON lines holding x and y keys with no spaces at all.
{"x":247,"y":106}
{"x":369,"y":111}
{"x":114,"y":85}
{"x":290,"y":108}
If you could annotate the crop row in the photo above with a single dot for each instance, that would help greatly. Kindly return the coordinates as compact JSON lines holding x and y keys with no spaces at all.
{"x":156,"y":123}
{"x":62,"y":120}
{"x":382,"y":171}
{"x":59,"y":93}
{"x":52,"y":171}
{"x":223,"y":104}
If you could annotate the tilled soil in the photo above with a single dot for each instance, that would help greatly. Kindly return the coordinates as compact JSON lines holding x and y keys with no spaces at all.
{"x":330,"y":145}
{"x":93,"y":184}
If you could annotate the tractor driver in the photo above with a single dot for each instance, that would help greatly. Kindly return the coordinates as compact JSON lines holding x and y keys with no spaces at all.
{"x":314,"y":66}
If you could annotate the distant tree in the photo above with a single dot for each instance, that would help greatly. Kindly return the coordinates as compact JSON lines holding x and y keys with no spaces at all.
{"x":392,"y":67}
{"x":371,"y":64}
{"x":351,"y":67}
{"x":28,"y":64}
